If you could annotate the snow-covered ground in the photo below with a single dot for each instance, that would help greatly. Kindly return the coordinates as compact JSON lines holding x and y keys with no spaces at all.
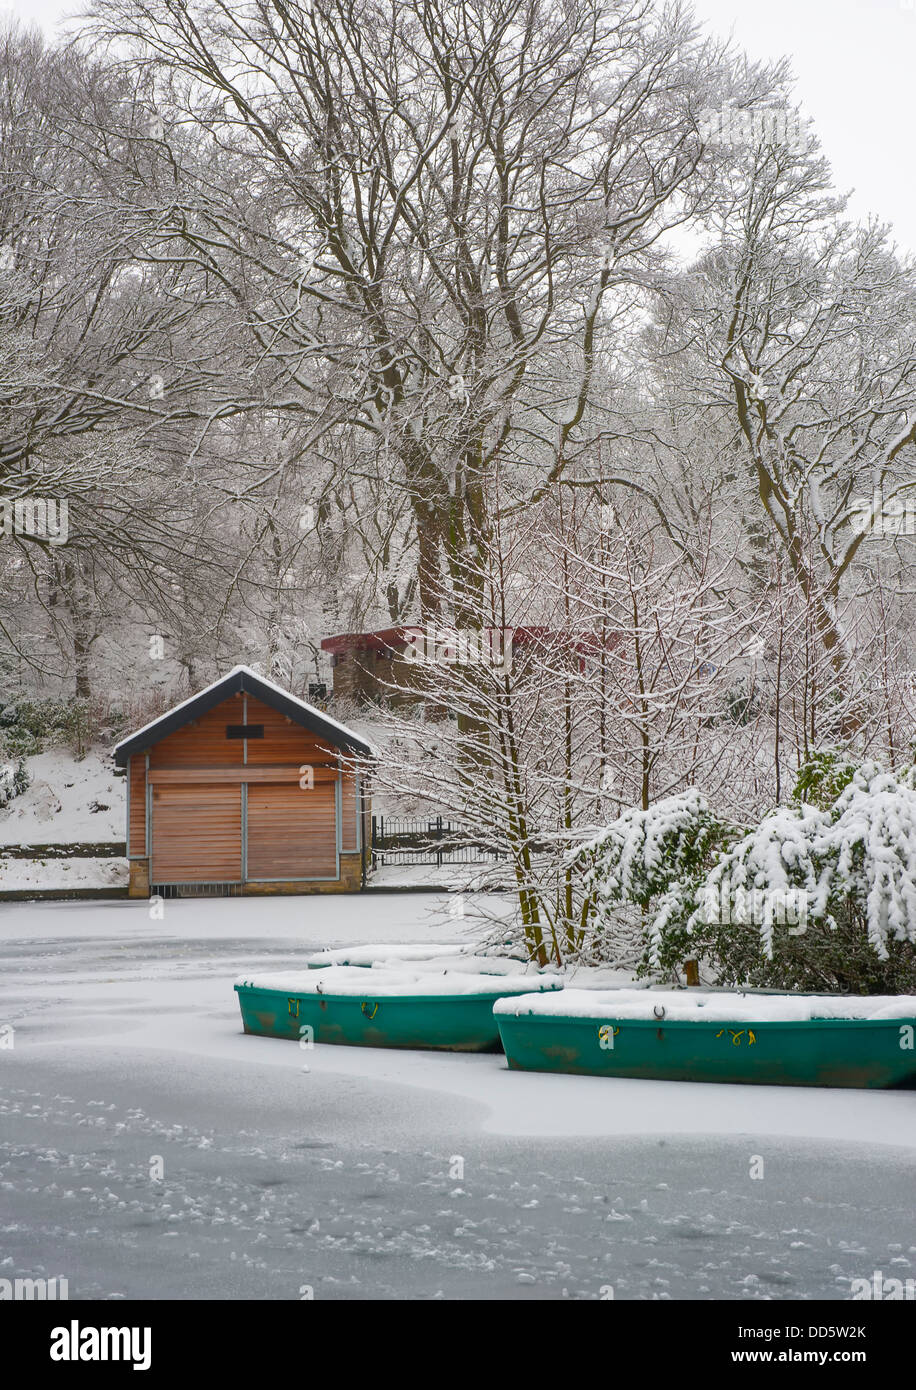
{"x":17,"y":875}
{"x":378,"y":1174}
{"x":68,"y":800}
{"x":457,"y":877}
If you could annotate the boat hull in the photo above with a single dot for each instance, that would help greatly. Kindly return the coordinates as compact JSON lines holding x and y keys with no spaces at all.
{"x":816,"y":1052}
{"x":455,"y":1023}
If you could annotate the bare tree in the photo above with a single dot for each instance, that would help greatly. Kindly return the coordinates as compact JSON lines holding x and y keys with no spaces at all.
{"x":793,"y":339}
{"x":419,"y":212}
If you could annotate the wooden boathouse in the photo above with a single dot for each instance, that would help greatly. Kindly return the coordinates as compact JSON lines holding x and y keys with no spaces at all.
{"x":244,"y":788}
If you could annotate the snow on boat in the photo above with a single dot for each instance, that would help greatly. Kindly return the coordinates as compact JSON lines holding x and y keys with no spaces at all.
{"x":382,"y":1007}
{"x":422,"y":959}
{"x":381,"y":954}
{"x":775,"y":1040}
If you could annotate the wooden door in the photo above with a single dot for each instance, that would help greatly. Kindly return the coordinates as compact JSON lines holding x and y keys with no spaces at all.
{"x":197,"y":833}
{"x":292,"y":831}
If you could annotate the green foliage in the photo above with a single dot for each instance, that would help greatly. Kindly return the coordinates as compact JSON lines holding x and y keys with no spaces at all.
{"x":37,"y":717}
{"x":827,"y":958}
{"x":850,"y":850}
{"x":823,"y":777}
{"x":27,"y":727}
{"x":17,"y":743}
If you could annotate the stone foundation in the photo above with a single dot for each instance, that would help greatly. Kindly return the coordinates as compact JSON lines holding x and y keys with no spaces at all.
{"x":139,"y":879}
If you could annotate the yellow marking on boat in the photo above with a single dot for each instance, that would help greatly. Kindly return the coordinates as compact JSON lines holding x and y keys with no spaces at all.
{"x":737,"y":1034}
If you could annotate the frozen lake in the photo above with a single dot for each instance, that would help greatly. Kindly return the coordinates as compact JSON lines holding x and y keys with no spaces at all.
{"x":383,"y":1174}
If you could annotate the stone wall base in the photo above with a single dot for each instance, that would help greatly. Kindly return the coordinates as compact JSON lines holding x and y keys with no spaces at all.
{"x":139,"y":879}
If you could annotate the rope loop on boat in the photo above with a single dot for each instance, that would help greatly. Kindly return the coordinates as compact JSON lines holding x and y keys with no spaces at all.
{"x":737,"y":1036}
{"x":366,"y":1010}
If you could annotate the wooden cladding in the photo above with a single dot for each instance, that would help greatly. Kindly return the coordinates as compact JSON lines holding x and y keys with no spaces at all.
{"x":349,"y":814}
{"x":175,"y":775}
{"x":292,"y":832}
{"x":283,"y":741}
{"x":203,"y":743}
{"x":136,"y":824}
{"x":302,"y":808}
{"x":202,"y":834}
{"x":256,"y":790}
{"x":197,"y":834}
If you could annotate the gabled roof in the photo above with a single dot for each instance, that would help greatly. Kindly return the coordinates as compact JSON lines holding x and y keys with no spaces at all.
{"x":242,"y":679}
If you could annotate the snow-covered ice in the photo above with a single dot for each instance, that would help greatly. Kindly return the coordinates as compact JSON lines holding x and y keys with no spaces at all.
{"x":378,"y":1174}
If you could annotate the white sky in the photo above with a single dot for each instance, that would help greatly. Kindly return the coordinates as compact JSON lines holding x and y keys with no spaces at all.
{"x":854,"y":60}
{"x":854,"y":63}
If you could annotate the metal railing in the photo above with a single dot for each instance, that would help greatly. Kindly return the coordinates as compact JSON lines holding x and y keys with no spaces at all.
{"x":402,"y":840}
{"x":195,"y":890}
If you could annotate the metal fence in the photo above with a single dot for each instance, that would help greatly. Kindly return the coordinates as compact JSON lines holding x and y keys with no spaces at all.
{"x":401,"y":840}
{"x":195,"y":890}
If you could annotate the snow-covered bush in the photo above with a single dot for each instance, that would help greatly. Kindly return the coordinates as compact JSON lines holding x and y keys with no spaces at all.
{"x":14,"y":779}
{"x":844,"y":878}
{"x":652,"y":857}
{"x":819,"y":897}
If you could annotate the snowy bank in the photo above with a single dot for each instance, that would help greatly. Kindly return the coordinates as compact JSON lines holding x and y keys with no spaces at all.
{"x":68,"y":800}
{"x":25,"y":875}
